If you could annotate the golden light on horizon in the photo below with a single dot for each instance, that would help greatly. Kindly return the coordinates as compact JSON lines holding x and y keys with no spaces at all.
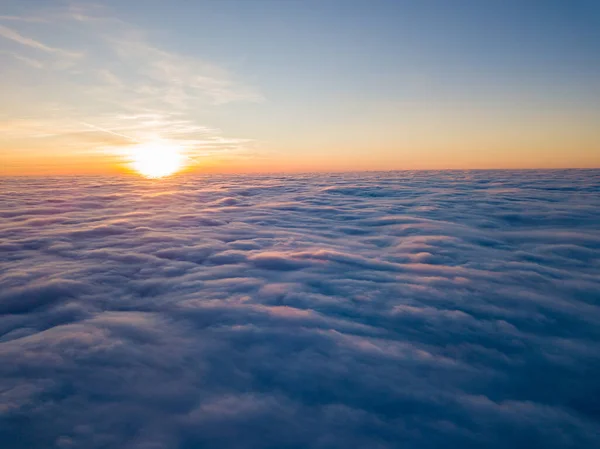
{"x":157,"y":159}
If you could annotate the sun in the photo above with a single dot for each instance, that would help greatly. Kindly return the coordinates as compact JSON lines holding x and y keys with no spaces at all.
{"x":156,"y":160}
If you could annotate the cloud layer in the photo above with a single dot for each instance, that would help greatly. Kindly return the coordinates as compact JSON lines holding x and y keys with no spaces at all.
{"x":415,"y":310}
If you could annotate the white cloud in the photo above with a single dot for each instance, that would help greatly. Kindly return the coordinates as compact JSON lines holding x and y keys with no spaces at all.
{"x":434,"y":308}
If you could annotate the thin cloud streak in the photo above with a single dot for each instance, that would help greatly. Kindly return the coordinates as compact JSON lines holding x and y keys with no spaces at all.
{"x":23,"y":19}
{"x":125,"y":86}
{"x":108,"y":131}
{"x":15,"y":36}
{"x":24,"y":59}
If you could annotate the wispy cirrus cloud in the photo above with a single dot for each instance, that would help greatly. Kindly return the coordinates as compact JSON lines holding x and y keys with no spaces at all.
{"x":24,"y":59}
{"x":9,"y":33}
{"x":30,"y":19}
{"x":115,"y":43}
{"x":120,"y":82}
{"x":179,"y":78}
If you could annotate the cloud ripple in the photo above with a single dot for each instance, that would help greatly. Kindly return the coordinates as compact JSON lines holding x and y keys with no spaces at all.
{"x":415,"y":310}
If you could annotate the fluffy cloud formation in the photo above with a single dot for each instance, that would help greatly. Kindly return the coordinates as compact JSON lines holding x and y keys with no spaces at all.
{"x":416,"y":310}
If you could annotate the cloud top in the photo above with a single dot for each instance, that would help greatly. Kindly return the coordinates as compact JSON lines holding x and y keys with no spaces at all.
{"x":412,"y":309}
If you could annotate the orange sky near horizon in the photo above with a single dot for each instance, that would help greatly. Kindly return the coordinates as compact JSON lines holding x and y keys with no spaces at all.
{"x":82,"y":84}
{"x":92,"y":152}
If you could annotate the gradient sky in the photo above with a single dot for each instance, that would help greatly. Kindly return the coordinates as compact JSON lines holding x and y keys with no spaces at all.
{"x":270,"y":85}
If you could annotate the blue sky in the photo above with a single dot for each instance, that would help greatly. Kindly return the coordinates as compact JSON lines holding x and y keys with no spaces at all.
{"x":395,"y":84}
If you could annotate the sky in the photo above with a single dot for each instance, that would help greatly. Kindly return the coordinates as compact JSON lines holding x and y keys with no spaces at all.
{"x":273,"y":85}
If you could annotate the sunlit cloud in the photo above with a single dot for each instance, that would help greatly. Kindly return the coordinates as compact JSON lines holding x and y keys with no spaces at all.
{"x":436,"y":309}
{"x":122,"y":89}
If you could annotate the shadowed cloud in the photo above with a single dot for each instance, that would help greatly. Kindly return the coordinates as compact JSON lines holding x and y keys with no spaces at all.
{"x":384,"y":310}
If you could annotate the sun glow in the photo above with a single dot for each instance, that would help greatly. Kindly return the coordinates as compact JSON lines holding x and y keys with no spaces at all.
{"x":156,"y":160}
